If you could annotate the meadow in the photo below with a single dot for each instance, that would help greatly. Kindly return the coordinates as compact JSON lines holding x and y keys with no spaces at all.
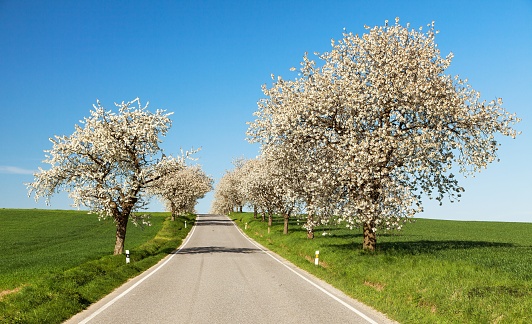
{"x":432,"y":271}
{"x":54,"y":263}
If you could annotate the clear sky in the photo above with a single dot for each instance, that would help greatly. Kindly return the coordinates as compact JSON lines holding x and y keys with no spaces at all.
{"x":206,"y":62}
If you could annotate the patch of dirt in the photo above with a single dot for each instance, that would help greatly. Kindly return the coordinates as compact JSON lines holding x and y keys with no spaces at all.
{"x":324,"y":264}
{"x":433,"y":308}
{"x":8,"y":292}
{"x":375,"y":285}
{"x":321,"y":263}
{"x":309,"y":258}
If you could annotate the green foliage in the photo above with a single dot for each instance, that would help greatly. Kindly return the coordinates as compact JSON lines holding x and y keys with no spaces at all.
{"x":51,"y":291}
{"x":433,"y":271}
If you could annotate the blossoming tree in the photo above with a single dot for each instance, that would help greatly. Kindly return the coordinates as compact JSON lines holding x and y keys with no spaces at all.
{"x":108,"y":162}
{"x":270,"y":185}
{"x":399,"y":126}
{"x":181,"y":189}
{"x":228,"y":194}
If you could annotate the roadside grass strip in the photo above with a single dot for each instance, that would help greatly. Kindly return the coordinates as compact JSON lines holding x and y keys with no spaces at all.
{"x":59,"y":262}
{"x":433,"y":271}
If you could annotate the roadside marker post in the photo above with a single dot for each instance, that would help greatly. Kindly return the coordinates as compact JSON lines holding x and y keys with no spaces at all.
{"x":127,"y":256}
{"x":316,"y":260}
{"x":246,"y":227}
{"x":185,"y":224}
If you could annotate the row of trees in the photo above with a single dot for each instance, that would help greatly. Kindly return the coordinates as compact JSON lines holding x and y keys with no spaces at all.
{"x":113,"y":164}
{"x":366,"y":132}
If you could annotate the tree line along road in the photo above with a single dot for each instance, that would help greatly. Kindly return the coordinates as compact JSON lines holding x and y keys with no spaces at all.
{"x":219,"y":275}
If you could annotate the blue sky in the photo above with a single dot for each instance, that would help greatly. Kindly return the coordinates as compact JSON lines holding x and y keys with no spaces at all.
{"x":206,"y":62}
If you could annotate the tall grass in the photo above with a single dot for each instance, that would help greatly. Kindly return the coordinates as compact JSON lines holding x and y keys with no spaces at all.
{"x":433,"y":271}
{"x":59,"y":262}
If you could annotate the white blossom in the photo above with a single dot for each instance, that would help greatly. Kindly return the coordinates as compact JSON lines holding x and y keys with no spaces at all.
{"x":181,"y":188}
{"x":375,"y":126}
{"x":108,"y":163}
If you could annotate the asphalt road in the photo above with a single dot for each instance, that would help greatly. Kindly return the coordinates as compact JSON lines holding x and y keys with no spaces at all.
{"x":220,"y":276}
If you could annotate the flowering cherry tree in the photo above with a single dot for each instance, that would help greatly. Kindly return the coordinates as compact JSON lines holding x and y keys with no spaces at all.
{"x":228,"y":194}
{"x":267,"y":184}
{"x":257,"y":187}
{"x":181,"y":189}
{"x":108,"y":162}
{"x":398,"y":126}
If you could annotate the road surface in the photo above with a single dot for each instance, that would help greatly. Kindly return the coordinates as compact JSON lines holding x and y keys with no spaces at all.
{"x":220,"y":276}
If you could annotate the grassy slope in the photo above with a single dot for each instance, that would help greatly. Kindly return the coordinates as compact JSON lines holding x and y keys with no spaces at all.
{"x":433,"y":271}
{"x":61,"y":261}
{"x":33,"y":242}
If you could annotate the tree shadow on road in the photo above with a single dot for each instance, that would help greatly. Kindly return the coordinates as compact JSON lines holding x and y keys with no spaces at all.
{"x":213,"y":222}
{"x":216,"y":249}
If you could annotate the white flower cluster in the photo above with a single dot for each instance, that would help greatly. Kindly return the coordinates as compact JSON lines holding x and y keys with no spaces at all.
{"x":374,"y":127}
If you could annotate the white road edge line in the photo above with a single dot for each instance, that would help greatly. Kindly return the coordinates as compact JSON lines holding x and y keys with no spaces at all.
{"x":351,"y":308}
{"x":114,"y":300}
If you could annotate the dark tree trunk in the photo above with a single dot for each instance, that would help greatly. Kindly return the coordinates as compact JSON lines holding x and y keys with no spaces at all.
{"x":255,"y":212}
{"x":263,"y":215}
{"x":173,"y":207}
{"x":240,"y":208}
{"x":121,"y":227}
{"x":370,"y":237}
{"x":122,"y":218}
{"x":310,"y":227}
{"x":286,"y":216}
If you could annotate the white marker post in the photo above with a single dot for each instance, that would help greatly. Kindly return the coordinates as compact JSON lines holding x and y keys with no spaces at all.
{"x":246,"y":227}
{"x":127,"y":256}
{"x":316,"y":261}
{"x":185,"y":224}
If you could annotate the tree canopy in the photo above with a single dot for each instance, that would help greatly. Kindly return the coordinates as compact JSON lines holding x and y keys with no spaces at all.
{"x":381,"y":122}
{"x":108,"y":163}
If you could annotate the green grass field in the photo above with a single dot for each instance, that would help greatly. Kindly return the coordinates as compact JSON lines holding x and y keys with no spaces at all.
{"x":433,"y":271}
{"x":54,"y":263}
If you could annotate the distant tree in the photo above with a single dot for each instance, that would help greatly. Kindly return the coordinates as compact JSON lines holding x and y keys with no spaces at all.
{"x":108,"y":162}
{"x":303,"y":178}
{"x":224,"y":195}
{"x":181,"y":189}
{"x":264,"y":186}
{"x":397,"y":124}
{"x":257,"y":188}
{"x":228,"y":194}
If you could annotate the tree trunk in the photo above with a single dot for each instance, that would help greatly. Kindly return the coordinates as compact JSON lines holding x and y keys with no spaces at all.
{"x":286,"y":216}
{"x":121,"y":226}
{"x":173,"y":211}
{"x":240,"y":208}
{"x":310,"y":227}
{"x":263,"y":215}
{"x":255,"y":212}
{"x":370,"y":237}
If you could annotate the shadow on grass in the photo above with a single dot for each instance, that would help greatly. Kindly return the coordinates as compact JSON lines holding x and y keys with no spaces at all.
{"x":423,"y":246}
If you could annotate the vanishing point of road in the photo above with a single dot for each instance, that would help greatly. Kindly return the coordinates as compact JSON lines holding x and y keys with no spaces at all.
{"x":218,"y":275}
